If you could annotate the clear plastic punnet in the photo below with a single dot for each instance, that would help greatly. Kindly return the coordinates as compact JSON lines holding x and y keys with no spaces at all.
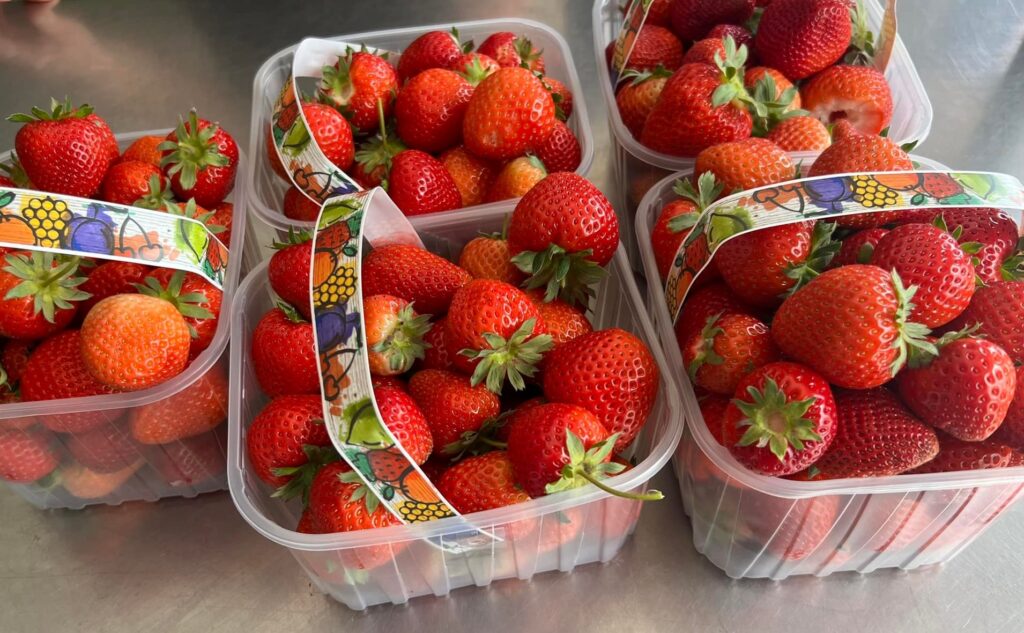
{"x":557,"y":532}
{"x":181,"y":468}
{"x":753,"y":526}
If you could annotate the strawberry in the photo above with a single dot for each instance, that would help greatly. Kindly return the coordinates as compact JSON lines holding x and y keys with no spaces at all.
{"x":104,"y":449}
{"x":563,"y":321}
{"x":788,"y":529}
{"x":455,"y":410}
{"x":610,"y":373}
{"x":481,"y":482}
{"x":998,"y":311}
{"x":560,"y":232}
{"x":730,"y":346}
{"x":195,"y":410}
{"x":25,"y":456}
{"x":194,"y":297}
{"x":802,"y":37}
{"x":191,"y":461}
{"x":742,"y":36}
{"x":223,"y":217}
{"x":287,"y":442}
{"x":852,"y":151}
{"x":993,"y":229}
{"x":298,"y":206}
{"x":437,"y":355}
{"x":516,"y":178}
{"x":780,"y":84}
{"x":355,"y":83}
{"x":284,"y":355}
{"x":430,"y":109}
{"x":332,"y":133}
{"x":636,"y":98}
{"x":858,"y":248}
{"x":498,"y":333}
{"x":13,"y":360}
{"x":702,"y":304}
{"x":781,"y":420}
{"x":67,"y":150}
{"x":655,"y":46}
{"x":388,"y":381}
{"x":800,"y":134}
{"x":511,"y":51}
{"x":288,"y":271}
{"x":658,"y":13}
{"x":413,"y":274}
{"x":712,"y":410}
{"x":12,"y":174}
{"x":475,"y":67}
{"x":957,"y":455}
{"x":473,"y":176}
{"x":704,"y":51}
{"x":394,"y":334}
{"x":964,"y":388}
{"x":201,"y":160}
{"x":144,"y":149}
{"x":401,"y":415}
{"x":85,"y":483}
{"x":128,"y":180}
{"x":509,"y":113}
{"x":876,"y":437}
{"x":561,"y":150}
{"x":692,"y":19}
{"x":1011,"y":431}
{"x":435,"y":49}
{"x":679,"y":216}
{"x":40,"y":294}
{"x":859,"y":94}
{"x":931,"y":259}
{"x":851,"y":325}
{"x":745,"y":164}
{"x":488,"y":257}
{"x":561,"y":95}
{"x":418,"y":183}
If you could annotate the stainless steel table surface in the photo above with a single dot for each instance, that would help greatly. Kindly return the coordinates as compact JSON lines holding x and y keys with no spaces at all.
{"x":194,"y":565}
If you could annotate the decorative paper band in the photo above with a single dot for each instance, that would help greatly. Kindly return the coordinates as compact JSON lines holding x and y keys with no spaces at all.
{"x":632,"y":22}
{"x":77,"y":226}
{"x":826,"y":197}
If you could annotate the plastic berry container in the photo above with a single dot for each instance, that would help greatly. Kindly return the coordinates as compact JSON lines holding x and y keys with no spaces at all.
{"x":557,"y":532}
{"x":753,"y":526}
{"x":181,"y":468}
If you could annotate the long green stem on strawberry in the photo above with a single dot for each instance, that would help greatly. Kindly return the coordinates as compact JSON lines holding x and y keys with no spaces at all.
{"x":49,"y":279}
{"x":513,"y":359}
{"x":591,"y":466}
{"x":380,"y":150}
{"x":912,"y":340}
{"x":774,"y":421}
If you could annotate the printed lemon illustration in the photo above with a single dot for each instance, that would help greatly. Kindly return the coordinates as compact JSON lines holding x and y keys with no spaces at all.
{"x":871,"y":193}
{"x":48,"y":218}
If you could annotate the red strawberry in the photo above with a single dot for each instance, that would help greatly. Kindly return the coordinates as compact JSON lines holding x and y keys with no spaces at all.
{"x":284,"y":355}
{"x":482,"y":482}
{"x":636,"y":98}
{"x":430,"y":109}
{"x":195,"y":298}
{"x":25,"y":456}
{"x":965,"y":389}
{"x":957,"y":455}
{"x":111,"y":278}
{"x":435,"y":49}
{"x":223,"y":217}
{"x":419,"y":184}
{"x":1012,"y":430}
{"x":473,"y":176}
{"x":104,"y":449}
{"x":993,"y":229}
{"x":388,"y":381}
{"x":13,"y":359}
{"x":789,"y":529}
{"x":859,"y":94}
{"x":742,"y":36}
{"x":745,"y":164}
{"x":67,"y":150}
{"x":288,"y":271}
{"x":563,"y":321}
{"x":475,"y":67}
{"x":201,"y":160}
{"x":678,"y":217}
{"x":564,"y":217}
{"x":802,"y":37}
{"x":355,"y":83}
{"x":284,"y":437}
{"x":712,"y":409}
{"x":610,"y":373}
{"x":561,"y":151}
{"x":510,"y":113}
{"x":437,"y":355}
{"x":405,"y":420}
{"x":332,"y":133}
{"x":298,"y":206}
{"x":692,"y":19}
{"x":394,"y":334}
{"x":487,"y":257}
{"x":702,"y":304}
{"x":852,"y":152}
{"x":800,"y":134}
{"x":999,"y":309}
{"x":516,"y":178}
{"x":561,"y":95}
{"x":413,"y":274}
{"x":859,"y":247}
{"x":655,"y":46}
{"x":454,"y":409}
{"x":40,"y":294}
{"x":129,"y":180}
{"x":195,"y":410}
{"x":730,"y":346}
{"x":658,"y":13}
{"x":511,"y":51}
{"x":144,"y":149}
{"x":850,"y":324}
{"x":704,"y":51}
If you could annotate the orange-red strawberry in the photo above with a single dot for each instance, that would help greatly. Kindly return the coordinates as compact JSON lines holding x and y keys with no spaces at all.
{"x":511,"y":51}
{"x":756,"y":75}
{"x":510,"y":113}
{"x":858,"y":94}
{"x":287,"y":442}
{"x":802,"y":37}
{"x":475,"y":67}
{"x":284,"y":355}
{"x":564,"y":322}
{"x":355,"y":83}
{"x":288,"y":271}
{"x":610,"y":373}
{"x":712,"y":409}
{"x":195,"y":298}
{"x":145,"y":150}
{"x":455,"y":410}
{"x":561,"y":95}
{"x":636,"y":98}
{"x":128,"y":180}
{"x":201,"y":160}
{"x":730,"y":346}
{"x":561,"y":150}
{"x":957,"y":455}
{"x":745,"y":164}
{"x":678,"y":217}
{"x":26,"y":456}
{"x":481,"y":482}
{"x":104,"y":449}
{"x":858,"y":248}
{"x":39,"y":294}
{"x":418,"y":183}
{"x":413,"y":274}
{"x":704,"y":51}
{"x":998,"y":311}
{"x":852,"y":151}
{"x":993,"y":229}
{"x":298,"y":206}
{"x":403,"y":417}
{"x":430,"y":108}
{"x":196,"y":409}
{"x":702,"y":304}
{"x":800,"y":134}
{"x":655,"y":46}
{"x":435,"y":49}
{"x":488,"y":257}
{"x":1012,"y":430}
{"x":516,"y":178}
{"x":332,"y":133}
{"x":850,"y":324}
{"x":692,"y":19}
{"x":473,"y":176}
{"x":437,"y":355}
{"x":394,"y":334}
{"x":742,"y":36}
{"x":67,"y":150}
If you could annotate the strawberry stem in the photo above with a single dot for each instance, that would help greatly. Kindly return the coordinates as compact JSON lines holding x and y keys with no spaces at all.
{"x":591,"y":466}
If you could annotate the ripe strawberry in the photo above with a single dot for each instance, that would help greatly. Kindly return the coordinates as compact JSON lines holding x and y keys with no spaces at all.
{"x":67,"y":150}
{"x":104,"y":449}
{"x":704,"y":51}
{"x":876,"y":437}
{"x":473,"y":176}
{"x":850,"y":324}
{"x":497,"y":332}
{"x":560,"y":233}
{"x":658,"y":13}
{"x":712,"y":410}
{"x":561,"y":95}
{"x":40,"y":294}
{"x":128,"y":180}
{"x":413,"y":274}
{"x":437,"y":355}
{"x":194,"y":297}
{"x":201,"y":160}
{"x":964,"y":389}
{"x":25,"y":456}
{"x":785,"y":408}
{"x":679,"y":216}
{"x":195,"y":410}
{"x":788,"y":529}
{"x":85,"y":483}
{"x":800,"y":134}
{"x":929,"y":258}
{"x":635,"y":99}
{"x":475,"y":67}
{"x":394,"y":334}
{"x":284,"y":355}
{"x":742,"y":36}
{"x":13,"y":359}
{"x":435,"y":49}
{"x":611,"y":373}
{"x":702,"y":304}
{"x":481,"y":482}
{"x":488,"y":257}
{"x":993,"y":229}
{"x":858,"y":248}
{"x":692,"y":19}
{"x":561,"y":150}
{"x":287,"y":442}
{"x":852,"y":152}
{"x":355,"y":83}
{"x":859,"y":94}
{"x":400,"y":413}
{"x":288,"y":271}
{"x":388,"y":381}
{"x":511,"y":51}
{"x":191,"y":461}
{"x":998,"y":308}
{"x":332,"y":133}
{"x":374,"y":156}
{"x":1011,"y":431}
{"x":430,"y":108}
{"x":298,"y":206}
{"x":455,"y":410}
{"x":145,"y":150}
{"x":509,"y":113}
{"x":563,"y":321}
{"x":957,"y":455}
{"x":516,"y":178}
{"x":802,"y":37}
{"x":655,"y":46}
{"x":418,"y":183}
{"x":745,"y":164}
{"x":223,"y":217}
{"x":730,"y":346}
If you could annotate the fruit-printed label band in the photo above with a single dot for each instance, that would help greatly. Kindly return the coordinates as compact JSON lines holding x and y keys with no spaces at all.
{"x":886,"y":36}
{"x":826,"y":197}
{"x":353,"y":419}
{"x":55,"y":223}
{"x":632,"y":22}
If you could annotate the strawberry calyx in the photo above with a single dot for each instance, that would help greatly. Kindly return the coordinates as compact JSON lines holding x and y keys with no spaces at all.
{"x":773,"y":421}
{"x":925,"y":357}
{"x":524,"y":48}
{"x":14,"y":172}
{"x":862,"y":42}
{"x":301,"y":477}
{"x":479,"y":441}
{"x":769,"y":108}
{"x":290,"y":312}
{"x":294,"y":238}
{"x":336,"y":88}
{"x":188,"y":304}
{"x":379,"y":151}
{"x":465,"y":47}
{"x":158,"y":198}
{"x":912,"y":340}
{"x":59,"y":110}
{"x":474,"y":72}
{"x":191,"y":210}
{"x":641,"y":76}
{"x":195,"y":149}
{"x":823,"y":249}
{"x":707,"y":191}
{"x":706,"y":354}
{"x":564,"y":275}
{"x":591,"y":466}
{"x":1012,"y":268}
{"x":731,"y":88}
{"x":362,"y":491}
{"x":404,"y":344}
{"x":512,"y":359}
{"x":50,"y":280}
